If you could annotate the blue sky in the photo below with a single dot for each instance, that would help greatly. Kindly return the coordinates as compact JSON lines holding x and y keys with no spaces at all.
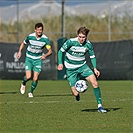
{"x":67,"y":2}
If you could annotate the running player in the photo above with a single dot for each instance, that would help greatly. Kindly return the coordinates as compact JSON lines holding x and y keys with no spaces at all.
{"x":34,"y":55}
{"x":75,"y":63}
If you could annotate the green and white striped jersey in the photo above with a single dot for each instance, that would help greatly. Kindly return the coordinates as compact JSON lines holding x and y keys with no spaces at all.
{"x":75,"y":53}
{"x":35,"y":46}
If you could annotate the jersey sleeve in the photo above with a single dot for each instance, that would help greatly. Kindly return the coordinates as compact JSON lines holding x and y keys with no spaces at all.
{"x":66,"y":45}
{"x":26,"y":41}
{"x":63,"y":49}
{"x":48,"y":44}
{"x":92,"y":55}
{"x":60,"y":55}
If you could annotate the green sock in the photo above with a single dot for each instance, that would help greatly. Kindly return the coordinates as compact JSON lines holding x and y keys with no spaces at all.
{"x":97,"y":94}
{"x":33,"y":86}
{"x":24,"y":80}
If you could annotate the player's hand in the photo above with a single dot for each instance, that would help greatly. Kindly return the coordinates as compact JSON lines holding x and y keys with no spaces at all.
{"x":60,"y":67}
{"x":18,"y":55}
{"x":96,"y":72}
{"x":43,"y":57}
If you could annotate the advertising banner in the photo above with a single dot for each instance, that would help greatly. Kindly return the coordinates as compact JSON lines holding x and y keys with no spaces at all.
{"x":13,"y":68}
{"x":115,"y":59}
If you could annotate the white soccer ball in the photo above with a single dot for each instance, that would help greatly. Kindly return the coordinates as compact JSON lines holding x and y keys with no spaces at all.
{"x":81,"y":86}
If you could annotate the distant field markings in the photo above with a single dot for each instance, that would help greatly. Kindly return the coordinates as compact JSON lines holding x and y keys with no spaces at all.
{"x":51,"y":102}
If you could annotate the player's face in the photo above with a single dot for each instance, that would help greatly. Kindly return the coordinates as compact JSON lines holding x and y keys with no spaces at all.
{"x":39,"y":31}
{"x":81,"y":38}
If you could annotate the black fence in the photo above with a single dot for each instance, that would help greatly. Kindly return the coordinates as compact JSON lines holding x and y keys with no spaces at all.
{"x":114,"y":60}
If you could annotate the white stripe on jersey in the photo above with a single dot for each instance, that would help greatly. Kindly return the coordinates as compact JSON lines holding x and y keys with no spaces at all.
{"x":62,"y":49}
{"x":25,"y":42}
{"x":93,"y":56}
{"x":33,"y":57}
{"x":78,"y":49}
{"x":74,"y":57}
{"x":34,"y":50}
{"x":67,"y":65}
{"x":36,"y":43}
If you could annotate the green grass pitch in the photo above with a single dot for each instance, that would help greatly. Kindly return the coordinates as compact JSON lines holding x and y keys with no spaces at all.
{"x":53,"y":109}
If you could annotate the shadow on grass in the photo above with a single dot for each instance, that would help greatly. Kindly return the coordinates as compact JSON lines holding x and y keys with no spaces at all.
{"x":95,"y":110}
{"x":8,"y":93}
{"x":52,"y":95}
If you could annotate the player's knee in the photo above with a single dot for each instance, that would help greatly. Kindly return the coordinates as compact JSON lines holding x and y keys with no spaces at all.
{"x":28,"y":77}
{"x":95,"y":84}
{"x":35,"y":79}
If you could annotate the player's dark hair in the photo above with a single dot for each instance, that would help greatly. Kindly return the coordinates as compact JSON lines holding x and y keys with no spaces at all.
{"x":37,"y":25}
{"x":83,"y":30}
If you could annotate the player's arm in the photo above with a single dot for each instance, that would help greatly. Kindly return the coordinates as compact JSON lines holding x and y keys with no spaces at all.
{"x":60,"y":63}
{"x":93,"y":61}
{"x":62,"y":50}
{"x":49,"y":52}
{"x":20,"y":49}
{"x":26,"y":41}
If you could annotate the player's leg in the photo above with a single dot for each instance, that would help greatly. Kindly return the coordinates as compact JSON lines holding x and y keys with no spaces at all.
{"x":72,"y":77}
{"x":24,"y":81}
{"x":33,"y":84}
{"x":26,"y":78}
{"x":88,"y":74}
{"x":74,"y":92}
{"x":37,"y":66}
{"x":97,"y":92}
{"x":94,"y":83}
{"x":28,"y":68}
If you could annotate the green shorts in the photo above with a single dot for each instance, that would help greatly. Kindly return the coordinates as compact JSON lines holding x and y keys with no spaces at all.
{"x":33,"y":64}
{"x":74,"y":75}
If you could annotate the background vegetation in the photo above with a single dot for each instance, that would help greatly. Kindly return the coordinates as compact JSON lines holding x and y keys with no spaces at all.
{"x":121,"y":28}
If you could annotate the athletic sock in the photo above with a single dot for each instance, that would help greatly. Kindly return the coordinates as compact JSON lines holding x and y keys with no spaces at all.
{"x":33,"y":86}
{"x":24,"y":80}
{"x":97,"y":94}
{"x":99,"y":105}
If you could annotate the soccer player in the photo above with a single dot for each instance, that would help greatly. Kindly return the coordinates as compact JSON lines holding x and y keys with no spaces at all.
{"x":76,"y":66}
{"x":34,"y":55}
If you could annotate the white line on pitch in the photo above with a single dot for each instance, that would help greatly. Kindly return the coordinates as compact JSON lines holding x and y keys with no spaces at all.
{"x":43,"y":102}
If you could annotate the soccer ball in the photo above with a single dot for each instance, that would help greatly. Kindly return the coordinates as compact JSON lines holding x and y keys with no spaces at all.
{"x":81,"y":86}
